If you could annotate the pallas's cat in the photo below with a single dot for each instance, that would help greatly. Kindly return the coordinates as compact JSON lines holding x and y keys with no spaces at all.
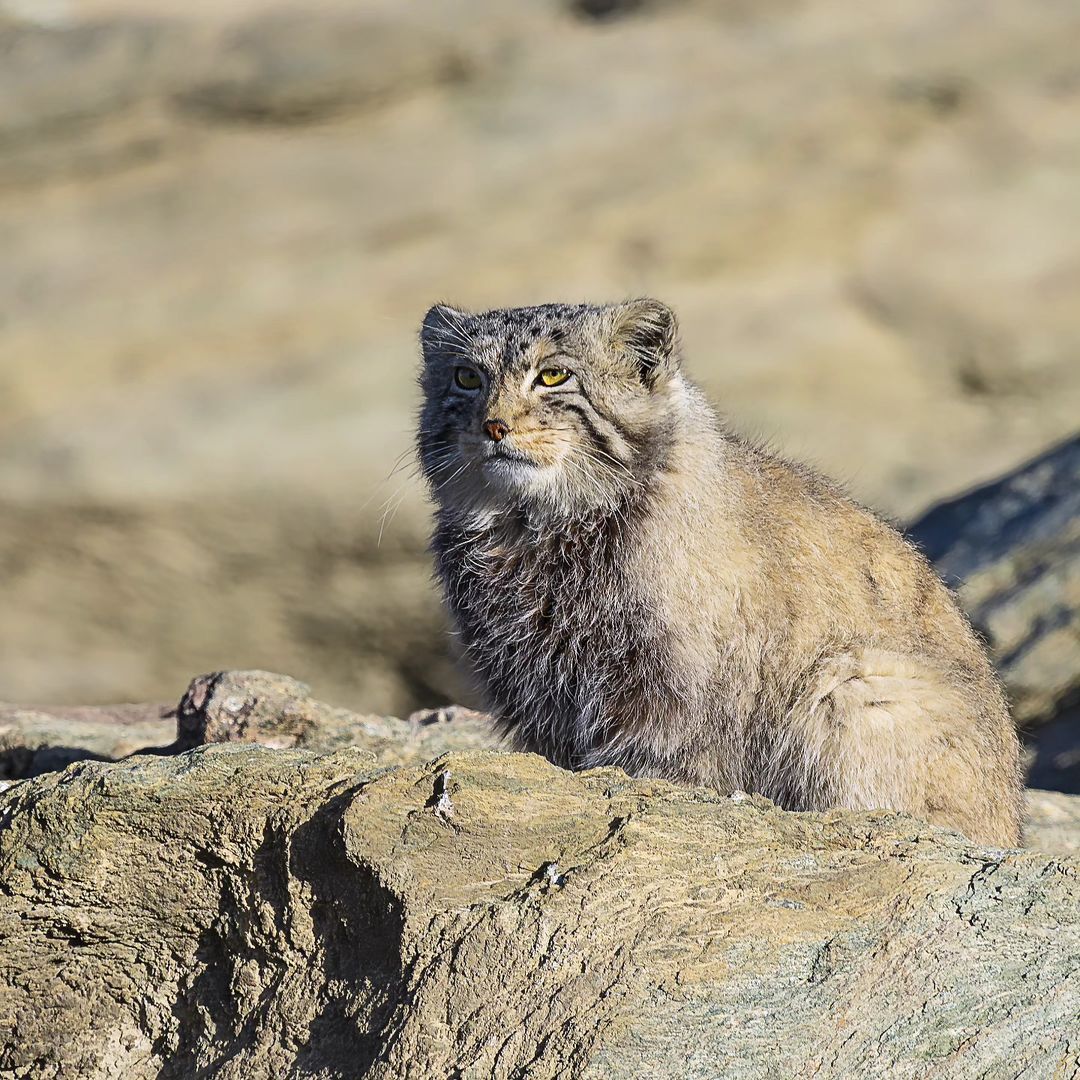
{"x":635,"y":586}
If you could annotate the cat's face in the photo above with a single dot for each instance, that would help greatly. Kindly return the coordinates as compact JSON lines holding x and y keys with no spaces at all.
{"x":558,"y":410}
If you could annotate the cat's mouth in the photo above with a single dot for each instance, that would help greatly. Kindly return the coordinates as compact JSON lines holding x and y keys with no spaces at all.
{"x":498,"y":456}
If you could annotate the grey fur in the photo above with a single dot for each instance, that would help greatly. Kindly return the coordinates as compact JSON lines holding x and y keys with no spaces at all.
{"x":633,"y":585}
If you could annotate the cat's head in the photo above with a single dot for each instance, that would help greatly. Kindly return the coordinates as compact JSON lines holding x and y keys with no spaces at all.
{"x":560,"y":410}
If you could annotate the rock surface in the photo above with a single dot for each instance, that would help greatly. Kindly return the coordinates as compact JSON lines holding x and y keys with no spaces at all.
{"x":242,"y":912}
{"x":1053,"y":822}
{"x":1013,"y":549}
{"x":38,"y":740}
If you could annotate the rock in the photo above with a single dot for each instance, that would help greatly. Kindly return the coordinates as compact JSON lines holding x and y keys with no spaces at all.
{"x":1012,"y":548}
{"x":1055,"y":753}
{"x":276,"y":711}
{"x":228,"y":706}
{"x":1053,"y":822}
{"x":256,"y":706}
{"x":37,"y":740}
{"x":241,"y":912}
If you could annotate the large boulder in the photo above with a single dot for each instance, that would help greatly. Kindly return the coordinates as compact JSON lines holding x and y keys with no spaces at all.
{"x":1012,"y":548}
{"x":242,"y":912}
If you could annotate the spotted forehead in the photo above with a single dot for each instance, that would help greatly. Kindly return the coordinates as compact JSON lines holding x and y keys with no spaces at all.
{"x":505,"y":334}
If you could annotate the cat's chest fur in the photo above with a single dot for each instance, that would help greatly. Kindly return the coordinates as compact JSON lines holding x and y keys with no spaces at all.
{"x":566,"y":648}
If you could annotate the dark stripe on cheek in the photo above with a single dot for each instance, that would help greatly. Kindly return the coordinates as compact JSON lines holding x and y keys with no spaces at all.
{"x":602,"y":441}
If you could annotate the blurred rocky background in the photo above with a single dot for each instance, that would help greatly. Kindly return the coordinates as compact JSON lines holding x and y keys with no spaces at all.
{"x":220,"y":224}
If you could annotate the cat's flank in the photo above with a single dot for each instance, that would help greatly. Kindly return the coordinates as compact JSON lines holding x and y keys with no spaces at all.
{"x":635,"y":586}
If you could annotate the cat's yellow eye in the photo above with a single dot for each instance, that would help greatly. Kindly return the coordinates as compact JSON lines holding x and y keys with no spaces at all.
{"x":553,"y":376}
{"x":466,"y":378}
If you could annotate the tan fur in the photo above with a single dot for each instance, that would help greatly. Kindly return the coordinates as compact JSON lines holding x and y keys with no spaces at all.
{"x":917,"y":723}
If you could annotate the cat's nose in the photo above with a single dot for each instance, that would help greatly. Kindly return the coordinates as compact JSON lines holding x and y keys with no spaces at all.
{"x":496,"y":429}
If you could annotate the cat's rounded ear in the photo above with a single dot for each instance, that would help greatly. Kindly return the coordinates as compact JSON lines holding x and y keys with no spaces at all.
{"x":648,"y":330}
{"x":442,"y":331}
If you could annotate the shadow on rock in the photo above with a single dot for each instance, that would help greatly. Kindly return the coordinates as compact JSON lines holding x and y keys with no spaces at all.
{"x":359,"y":926}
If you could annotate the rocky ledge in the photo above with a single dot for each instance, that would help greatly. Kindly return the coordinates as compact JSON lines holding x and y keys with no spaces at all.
{"x":246,"y":910}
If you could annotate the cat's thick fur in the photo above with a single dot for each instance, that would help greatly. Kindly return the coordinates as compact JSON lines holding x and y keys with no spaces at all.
{"x":635,"y":586}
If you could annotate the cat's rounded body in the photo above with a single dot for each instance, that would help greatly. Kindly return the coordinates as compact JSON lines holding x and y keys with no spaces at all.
{"x":634,"y":586}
